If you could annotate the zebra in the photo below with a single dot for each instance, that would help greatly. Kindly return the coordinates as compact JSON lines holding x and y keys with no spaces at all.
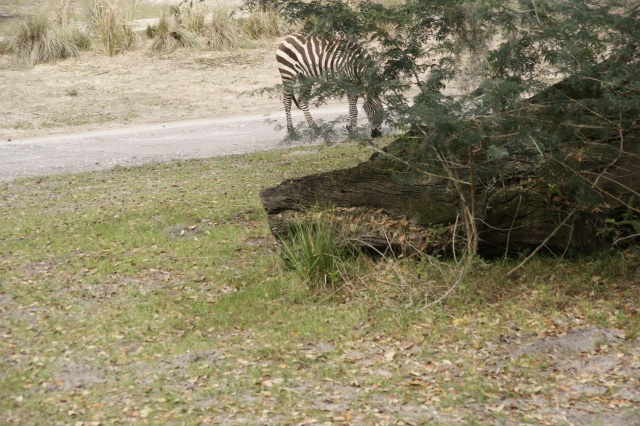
{"x":301,"y":56}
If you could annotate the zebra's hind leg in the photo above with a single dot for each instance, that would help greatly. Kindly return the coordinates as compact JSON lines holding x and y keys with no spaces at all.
{"x":353,"y":114}
{"x":304,"y":106}
{"x":286,"y":100}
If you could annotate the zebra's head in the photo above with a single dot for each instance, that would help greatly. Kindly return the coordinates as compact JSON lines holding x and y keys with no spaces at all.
{"x":373,"y":107}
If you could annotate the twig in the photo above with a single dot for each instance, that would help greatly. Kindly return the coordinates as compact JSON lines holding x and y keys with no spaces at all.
{"x":521,"y":264}
{"x":603,"y":191}
{"x":535,"y":9}
{"x":625,"y":238}
{"x":568,"y":241}
{"x":455,"y":285}
{"x":536,"y":145}
{"x":506,"y":250}
{"x":453,"y":238}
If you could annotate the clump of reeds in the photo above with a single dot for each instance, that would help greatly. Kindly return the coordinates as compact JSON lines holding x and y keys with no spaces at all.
{"x":193,"y":24}
{"x":191,"y":17}
{"x":314,"y":253}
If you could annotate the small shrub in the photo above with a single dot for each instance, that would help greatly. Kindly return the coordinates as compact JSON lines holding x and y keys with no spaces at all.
{"x":111,"y":20}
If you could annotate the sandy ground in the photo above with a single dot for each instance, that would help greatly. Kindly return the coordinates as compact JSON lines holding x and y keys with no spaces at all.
{"x":95,"y":91}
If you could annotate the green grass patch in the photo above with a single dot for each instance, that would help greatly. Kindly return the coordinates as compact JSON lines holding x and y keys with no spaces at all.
{"x":157,"y":294}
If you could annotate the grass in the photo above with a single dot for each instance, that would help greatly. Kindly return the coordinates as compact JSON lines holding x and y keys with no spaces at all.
{"x":312,"y":250}
{"x":47,"y":36}
{"x":157,"y":295}
{"x":54,"y":34}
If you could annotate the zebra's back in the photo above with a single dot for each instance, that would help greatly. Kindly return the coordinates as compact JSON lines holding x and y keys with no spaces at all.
{"x":315,"y":57}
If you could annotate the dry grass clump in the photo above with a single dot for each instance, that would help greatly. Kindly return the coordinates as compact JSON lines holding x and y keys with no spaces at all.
{"x":111,"y":20}
{"x":191,"y":18}
{"x":37,"y":41}
{"x":169,"y":35}
{"x":42,"y":38}
{"x":215,"y":27}
{"x":263,"y":24}
{"x":6,"y":46}
{"x":225,"y":32}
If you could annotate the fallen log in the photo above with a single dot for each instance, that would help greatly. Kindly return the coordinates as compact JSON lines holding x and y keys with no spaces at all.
{"x":380,"y":207}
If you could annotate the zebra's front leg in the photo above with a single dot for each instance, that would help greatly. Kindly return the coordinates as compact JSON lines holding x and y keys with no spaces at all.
{"x":353,"y":114}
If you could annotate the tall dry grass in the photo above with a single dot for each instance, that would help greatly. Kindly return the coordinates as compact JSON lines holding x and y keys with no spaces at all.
{"x":111,"y":20}
{"x":217,"y":27}
{"x":6,"y":46}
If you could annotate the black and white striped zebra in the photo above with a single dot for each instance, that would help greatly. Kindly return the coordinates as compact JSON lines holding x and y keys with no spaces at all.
{"x":300,"y":56}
